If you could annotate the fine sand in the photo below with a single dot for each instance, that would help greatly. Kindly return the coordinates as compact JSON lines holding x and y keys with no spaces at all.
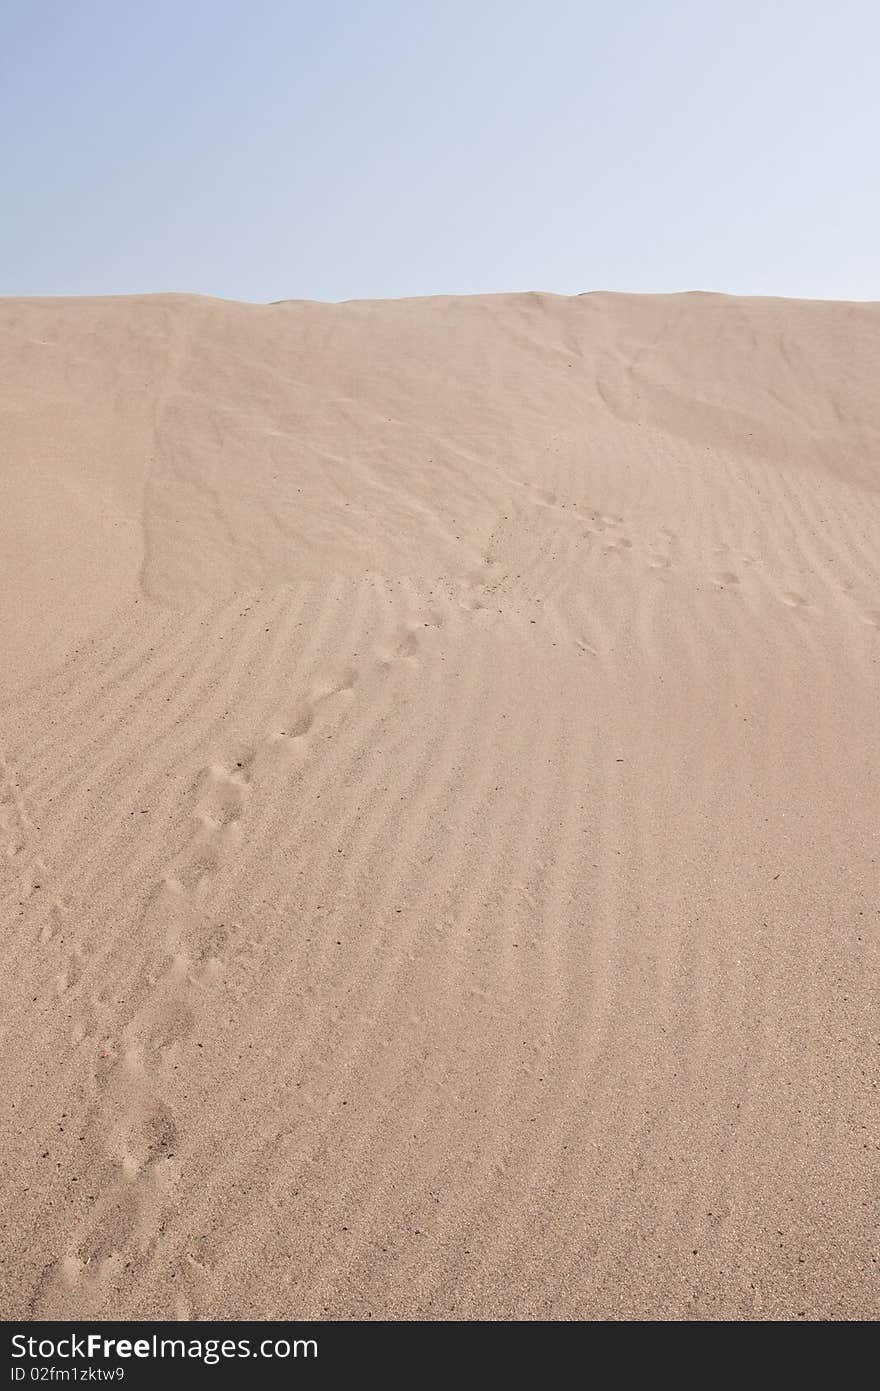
{"x":439,"y":808}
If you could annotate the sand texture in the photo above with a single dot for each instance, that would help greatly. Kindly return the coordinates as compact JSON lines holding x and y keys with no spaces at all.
{"x":440,"y":808}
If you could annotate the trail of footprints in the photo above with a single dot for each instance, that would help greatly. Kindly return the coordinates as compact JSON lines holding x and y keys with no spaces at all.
{"x":15,"y":821}
{"x":605,"y":526}
{"x":16,"y":824}
{"x":132,"y":1123}
{"x":610,"y":529}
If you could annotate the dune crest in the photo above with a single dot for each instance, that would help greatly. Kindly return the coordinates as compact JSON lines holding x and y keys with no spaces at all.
{"x":438,"y":807}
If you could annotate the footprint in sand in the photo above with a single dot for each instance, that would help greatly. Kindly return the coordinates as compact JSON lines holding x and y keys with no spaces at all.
{"x":169,"y":1021}
{"x":147,"y":1134}
{"x":34,"y":881}
{"x":222,"y":796}
{"x":474,"y":591}
{"x":300,"y":722}
{"x":71,"y":974}
{"x":15,"y":840}
{"x":410,"y":638}
{"x":59,"y":908}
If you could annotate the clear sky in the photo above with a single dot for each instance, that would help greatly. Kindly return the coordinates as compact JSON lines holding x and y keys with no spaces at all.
{"x":336,"y":150}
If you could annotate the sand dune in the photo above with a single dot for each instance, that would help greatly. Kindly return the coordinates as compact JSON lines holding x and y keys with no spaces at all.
{"x":439,"y":808}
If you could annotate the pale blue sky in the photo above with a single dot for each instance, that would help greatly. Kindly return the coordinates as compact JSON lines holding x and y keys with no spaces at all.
{"x":335,"y":150}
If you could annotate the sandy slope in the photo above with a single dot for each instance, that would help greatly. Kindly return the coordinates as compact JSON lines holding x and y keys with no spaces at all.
{"x":439,"y":807}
